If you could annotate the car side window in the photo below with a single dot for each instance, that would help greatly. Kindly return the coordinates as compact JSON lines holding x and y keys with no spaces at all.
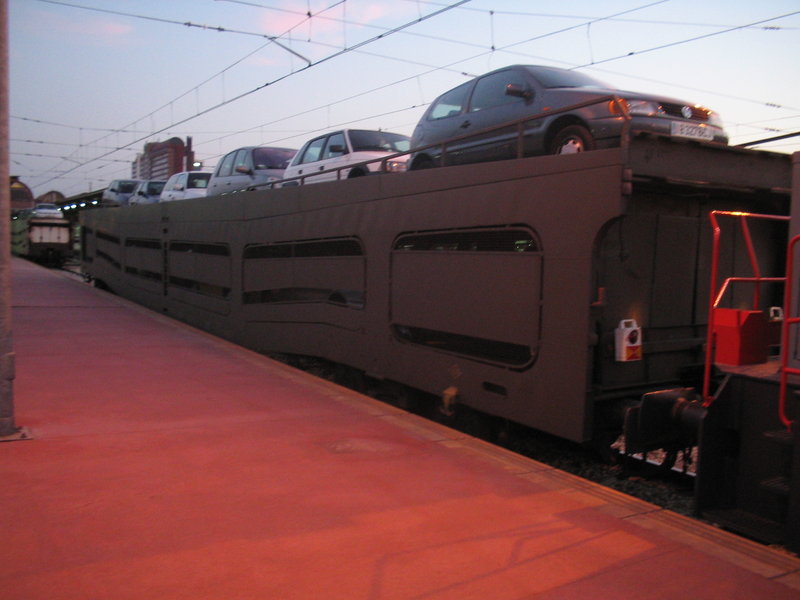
{"x":197,"y":180}
{"x":491,"y":90}
{"x":181,"y":183}
{"x":336,"y":146}
{"x":313,"y":150}
{"x":226,"y":166}
{"x":451,"y":103}
{"x":243,"y":159}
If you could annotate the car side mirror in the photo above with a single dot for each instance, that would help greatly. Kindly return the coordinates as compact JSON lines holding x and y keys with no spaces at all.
{"x":338,"y":148}
{"x":244,"y":170}
{"x":517,"y":91}
{"x":178,"y":188}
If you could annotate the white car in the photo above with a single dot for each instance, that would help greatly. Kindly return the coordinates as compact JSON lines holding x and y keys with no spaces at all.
{"x":47,"y":211}
{"x":185,"y":185}
{"x":341,"y":149}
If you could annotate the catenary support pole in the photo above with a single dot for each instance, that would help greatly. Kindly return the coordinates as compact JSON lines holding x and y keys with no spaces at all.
{"x":8,"y":427}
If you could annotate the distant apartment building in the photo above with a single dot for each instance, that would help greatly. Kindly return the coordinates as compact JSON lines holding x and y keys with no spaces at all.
{"x":162,"y":159}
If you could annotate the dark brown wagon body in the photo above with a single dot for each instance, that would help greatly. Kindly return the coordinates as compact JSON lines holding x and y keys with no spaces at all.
{"x":504,"y":281}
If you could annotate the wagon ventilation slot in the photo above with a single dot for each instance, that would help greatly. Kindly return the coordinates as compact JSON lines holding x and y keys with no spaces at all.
{"x":732,"y":325}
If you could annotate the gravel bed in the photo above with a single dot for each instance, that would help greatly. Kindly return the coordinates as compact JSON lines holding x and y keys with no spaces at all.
{"x":671,"y":490}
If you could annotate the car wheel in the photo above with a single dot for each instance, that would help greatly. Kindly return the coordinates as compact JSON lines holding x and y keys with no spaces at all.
{"x":571,"y":140}
{"x":421,"y":162}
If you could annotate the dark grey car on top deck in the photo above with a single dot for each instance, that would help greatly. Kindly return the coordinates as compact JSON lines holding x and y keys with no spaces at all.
{"x":519,"y":91}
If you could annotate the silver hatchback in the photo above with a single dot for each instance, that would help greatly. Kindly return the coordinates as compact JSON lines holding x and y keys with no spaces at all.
{"x":248,"y":166}
{"x":592,"y":119}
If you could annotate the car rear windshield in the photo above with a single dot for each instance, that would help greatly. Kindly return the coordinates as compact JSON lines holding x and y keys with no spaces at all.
{"x":272,"y":158}
{"x":198,"y":180}
{"x":126,"y":187}
{"x":364,"y":140}
{"x":559,"y":78}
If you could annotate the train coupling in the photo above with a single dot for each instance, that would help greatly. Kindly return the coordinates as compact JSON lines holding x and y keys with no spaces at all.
{"x":666,"y":419}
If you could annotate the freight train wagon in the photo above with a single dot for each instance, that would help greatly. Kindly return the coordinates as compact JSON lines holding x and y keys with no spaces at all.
{"x":553,"y":291}
{"x":47,"y":240}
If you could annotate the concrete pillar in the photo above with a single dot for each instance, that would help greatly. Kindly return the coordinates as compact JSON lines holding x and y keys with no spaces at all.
{"x":7,"y":425}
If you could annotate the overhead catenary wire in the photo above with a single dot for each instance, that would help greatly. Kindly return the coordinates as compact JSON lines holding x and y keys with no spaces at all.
{"x":483,"y":48}
{"x":523,"y":13}
{"x":224,"y":134}
{"x":170,"y":103}
{"x":320,"y":15}
{"x":184,"y":94}
{"x":272,"y":82}
{"x":692,"y":39}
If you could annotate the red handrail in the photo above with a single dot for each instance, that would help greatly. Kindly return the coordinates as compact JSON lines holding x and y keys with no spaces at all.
{"x":716,"y":295}
{"x":786,"y":370}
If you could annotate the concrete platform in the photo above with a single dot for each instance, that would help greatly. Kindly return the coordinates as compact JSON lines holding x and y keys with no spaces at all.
{"x":168,"y":464}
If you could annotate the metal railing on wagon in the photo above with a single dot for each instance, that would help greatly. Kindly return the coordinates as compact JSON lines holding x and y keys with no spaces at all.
{"x":519,"y":124}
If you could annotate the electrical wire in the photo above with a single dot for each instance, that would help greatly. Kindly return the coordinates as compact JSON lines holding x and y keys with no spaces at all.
{"x":517,"y":13}
{"x":274,"y":81}
{"x":690,"y":40}
{"x":359,"y":48}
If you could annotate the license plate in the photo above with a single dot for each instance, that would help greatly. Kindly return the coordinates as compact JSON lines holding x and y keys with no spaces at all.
{"x":688,"y":130}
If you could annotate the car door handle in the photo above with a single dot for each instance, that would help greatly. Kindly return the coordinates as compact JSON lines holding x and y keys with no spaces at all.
{"x":466,"y":124}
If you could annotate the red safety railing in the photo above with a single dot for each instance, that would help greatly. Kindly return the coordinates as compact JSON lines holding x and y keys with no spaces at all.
{"x":717,"y":294}
{"x":788,"y":321}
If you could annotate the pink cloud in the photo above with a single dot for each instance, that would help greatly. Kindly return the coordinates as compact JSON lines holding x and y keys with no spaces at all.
{"x":326,"y":23}
{"x":114,"y":29}
{"x":93,"y":29}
